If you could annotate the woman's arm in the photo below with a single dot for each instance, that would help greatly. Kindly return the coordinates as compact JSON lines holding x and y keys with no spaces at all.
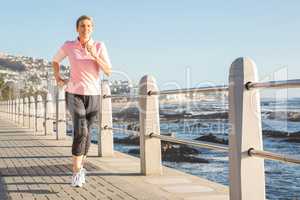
{"x":105,"y":66}
{"x":59,"y":80}
{"x":59,"y":56}
{"x":102,"y":59}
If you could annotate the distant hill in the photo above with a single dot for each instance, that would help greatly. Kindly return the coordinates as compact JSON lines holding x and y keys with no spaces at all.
{"x":16,"y":66}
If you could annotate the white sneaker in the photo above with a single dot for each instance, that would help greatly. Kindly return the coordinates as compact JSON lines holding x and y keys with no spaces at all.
{"x":76,"y":180}
{"x":82,"y":174}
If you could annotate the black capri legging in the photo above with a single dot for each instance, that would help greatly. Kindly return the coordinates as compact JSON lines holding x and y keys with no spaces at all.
{"x":84,"y":110}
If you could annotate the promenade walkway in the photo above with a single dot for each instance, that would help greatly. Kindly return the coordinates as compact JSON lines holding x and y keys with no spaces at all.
{"x":35,"y":166}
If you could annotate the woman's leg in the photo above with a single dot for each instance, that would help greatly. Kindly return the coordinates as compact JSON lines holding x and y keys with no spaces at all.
{"x":91,"y":119}
{"x":92,"y":111}
{"x":76,"y":107}
{"x":79,"y":142}
{"x":77,"y":162}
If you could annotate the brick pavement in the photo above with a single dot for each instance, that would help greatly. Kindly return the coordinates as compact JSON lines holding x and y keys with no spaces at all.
{"x":34,"y":166}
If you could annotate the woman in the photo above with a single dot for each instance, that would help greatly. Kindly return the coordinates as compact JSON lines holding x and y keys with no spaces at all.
{"x":87,"y":58}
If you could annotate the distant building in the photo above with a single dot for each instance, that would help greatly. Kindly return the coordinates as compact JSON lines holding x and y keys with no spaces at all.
{"x":122,"y":87}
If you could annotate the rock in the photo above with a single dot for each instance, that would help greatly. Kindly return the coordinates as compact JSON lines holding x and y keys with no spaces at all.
{"x":170,"y":151}
{"x":183,"y":158}
{"x":178,"y":115}
{"x":280,"y":134}
{"x":200,"y":124}
{"x":178,"y":149}
{"x":293,"y":137}
{"x":134,"y":127}
{"x":175,"y":155}
{"x":180,"y":153}
{"x":130,"y":140}
{"x":283,"y":115}
{"x":133,"y":113}
{"x":134,"y":151}
{"x":295,"y":117}
{"x":128,"y":113}
{"x":219,"y":115}
{"x":212,"y":138}
{"x":293,"y":140}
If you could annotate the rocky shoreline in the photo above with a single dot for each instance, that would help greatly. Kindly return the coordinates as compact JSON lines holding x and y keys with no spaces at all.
{"x":293,"y":137}
{"x":173,"y":152}
{"x":170,"y":151}
{"x":182,"y":153}
{"x":133,"y":113}
{"x":283,"y":115}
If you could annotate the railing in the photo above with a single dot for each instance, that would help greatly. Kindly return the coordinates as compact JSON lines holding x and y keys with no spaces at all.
{"x":246,"y":177}
{"x":38,"y":114}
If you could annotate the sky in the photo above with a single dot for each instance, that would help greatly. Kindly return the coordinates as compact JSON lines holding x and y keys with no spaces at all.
{"x":181,"y":43}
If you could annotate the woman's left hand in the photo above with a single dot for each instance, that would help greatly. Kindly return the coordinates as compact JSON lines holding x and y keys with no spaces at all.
{"x":92,"y":50}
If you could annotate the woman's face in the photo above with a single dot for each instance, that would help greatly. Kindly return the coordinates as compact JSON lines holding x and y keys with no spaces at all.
{"x":85,"y":28}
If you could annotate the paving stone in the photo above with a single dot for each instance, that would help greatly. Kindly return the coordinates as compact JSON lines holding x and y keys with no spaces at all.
{"x":211,"y":197}
{"x":167,"y":180}
{"x":187,"y":189}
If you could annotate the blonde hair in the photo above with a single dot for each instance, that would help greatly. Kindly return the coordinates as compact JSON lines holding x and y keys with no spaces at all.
{"x":83,"y":17}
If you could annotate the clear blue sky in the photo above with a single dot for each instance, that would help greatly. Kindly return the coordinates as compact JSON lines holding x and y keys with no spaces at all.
{"x":164,"y":38}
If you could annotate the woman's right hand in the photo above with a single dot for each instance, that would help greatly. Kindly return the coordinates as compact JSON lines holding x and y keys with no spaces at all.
{"x":61,"y":82}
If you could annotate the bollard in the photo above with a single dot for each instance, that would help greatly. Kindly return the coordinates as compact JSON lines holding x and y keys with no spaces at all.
{"x":18,"y":111}
{"x":21,"y":112}
{"x":49,"y":115}
{"x":40,"y":115}
{"x":6,"y":108}
{"x":61,"y":126}
{"x":105,"y":135}
{"x":246,"y":174}
{"x":9,"y":109}
{"x":12,"y":110}
{"x":32,"y":110}
{"x":150,"y":148}
{"x":1,"y":108}
{"x":26,"y":113}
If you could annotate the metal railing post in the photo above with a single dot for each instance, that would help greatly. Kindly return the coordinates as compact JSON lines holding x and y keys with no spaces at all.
{"x":246,"y":174}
